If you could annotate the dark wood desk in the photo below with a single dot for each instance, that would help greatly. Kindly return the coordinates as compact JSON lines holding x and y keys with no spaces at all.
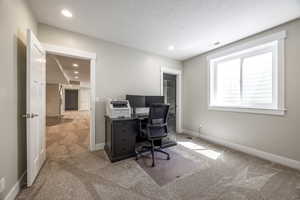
{"x":121,"y":137}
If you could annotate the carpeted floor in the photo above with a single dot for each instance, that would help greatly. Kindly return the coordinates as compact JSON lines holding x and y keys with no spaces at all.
{"x":198,"y":170}
{"x":67,"y":136}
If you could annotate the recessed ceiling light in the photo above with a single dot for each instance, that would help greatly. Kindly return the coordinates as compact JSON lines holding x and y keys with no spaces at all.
{"x":75,"y":65}
{"x":76,"y":72}
{"x":66,"y":13}
{"x":76,"y":77}
{"x":171,"y":48}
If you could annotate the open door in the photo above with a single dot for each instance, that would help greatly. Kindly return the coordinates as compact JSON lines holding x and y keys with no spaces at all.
{"x":36,"y":104}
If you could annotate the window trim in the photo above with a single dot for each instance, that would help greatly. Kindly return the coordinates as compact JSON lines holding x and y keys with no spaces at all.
{"x":278,"y":68}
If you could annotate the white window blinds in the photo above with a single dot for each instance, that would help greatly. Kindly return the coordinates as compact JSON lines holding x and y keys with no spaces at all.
{"x":257,"y":80}
{"x":248,"y":78}
{"x":228,"y":82}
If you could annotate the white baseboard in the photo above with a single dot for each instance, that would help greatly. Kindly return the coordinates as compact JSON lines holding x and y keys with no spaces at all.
{"x":99,"y":146}
{"x":83,"y":110}
{"x":12,"y":194}
{"x":248,"y":150}
{"x":191,"y":133}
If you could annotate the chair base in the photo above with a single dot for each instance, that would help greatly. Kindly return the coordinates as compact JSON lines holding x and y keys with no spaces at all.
{"x":151,"y":149}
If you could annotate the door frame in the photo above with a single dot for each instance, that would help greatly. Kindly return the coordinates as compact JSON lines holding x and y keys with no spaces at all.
{"x":178,"y":73}
{"x":74,"y":53}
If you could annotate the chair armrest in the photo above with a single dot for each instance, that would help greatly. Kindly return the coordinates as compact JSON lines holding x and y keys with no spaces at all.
{"x":156,"y":125}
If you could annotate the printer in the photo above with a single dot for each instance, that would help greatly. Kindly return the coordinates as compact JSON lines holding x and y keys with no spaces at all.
{"x":118,"y":108}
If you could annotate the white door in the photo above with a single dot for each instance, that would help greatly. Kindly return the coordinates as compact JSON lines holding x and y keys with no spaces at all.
{"x":36,"y":103}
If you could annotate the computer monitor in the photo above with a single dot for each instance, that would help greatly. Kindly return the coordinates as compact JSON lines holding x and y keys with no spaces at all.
{"x":154,"y":99}
{"x":136,"y":101}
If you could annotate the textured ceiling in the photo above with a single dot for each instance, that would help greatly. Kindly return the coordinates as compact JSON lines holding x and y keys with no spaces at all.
{"x":192,"y":26}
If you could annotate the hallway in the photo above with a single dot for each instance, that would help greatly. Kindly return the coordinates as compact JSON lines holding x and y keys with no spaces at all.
{"x":67,"y":136}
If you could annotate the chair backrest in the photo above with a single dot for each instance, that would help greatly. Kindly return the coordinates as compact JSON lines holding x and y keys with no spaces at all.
{"x":158,"y":115}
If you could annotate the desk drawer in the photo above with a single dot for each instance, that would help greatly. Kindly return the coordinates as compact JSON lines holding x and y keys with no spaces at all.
{"x":122,"y":149}
{"x":124,"y":137}
{"x":125,"y":128}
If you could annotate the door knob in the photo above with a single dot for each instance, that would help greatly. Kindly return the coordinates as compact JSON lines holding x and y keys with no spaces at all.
{"x":34,"y":115}
{"x":27,"y":115}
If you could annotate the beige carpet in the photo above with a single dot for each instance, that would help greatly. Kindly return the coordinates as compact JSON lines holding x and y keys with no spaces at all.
{"x":67,"y":136}
{"x":197,"y":170}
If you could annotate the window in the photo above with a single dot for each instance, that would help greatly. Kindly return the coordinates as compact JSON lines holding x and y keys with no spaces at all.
{"x":249,"y":78}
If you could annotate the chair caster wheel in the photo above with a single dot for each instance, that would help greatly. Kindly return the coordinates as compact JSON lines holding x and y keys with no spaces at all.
{"x":153,"y":165}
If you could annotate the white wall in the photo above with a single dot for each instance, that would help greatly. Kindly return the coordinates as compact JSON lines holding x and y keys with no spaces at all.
{"x":53,"y":104}
{"x":119,"y":70}
{"x":274,"y":134}
{"x":15,"y":18}
{"x":84,"y":99}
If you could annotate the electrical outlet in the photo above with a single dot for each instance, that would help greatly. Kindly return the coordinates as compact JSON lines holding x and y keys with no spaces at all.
{"x":2,"y":184}
{"x":200,"y":127}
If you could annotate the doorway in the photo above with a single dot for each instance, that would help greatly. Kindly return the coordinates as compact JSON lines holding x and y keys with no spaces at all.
{"x":170,"y":98}
{"x":71,"y":100}
{"x":170,"y":82}
{"x":67,"y":113}
{"x":89,"y":102}
{"x":36,"y":109}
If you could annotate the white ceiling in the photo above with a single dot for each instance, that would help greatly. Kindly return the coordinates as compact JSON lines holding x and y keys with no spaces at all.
{"x":192,"y":26}
{"x":83,"y":68}
{"x":54,"y":75}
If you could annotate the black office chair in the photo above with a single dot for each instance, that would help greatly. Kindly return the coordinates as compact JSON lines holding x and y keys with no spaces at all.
{"x":155,"y":130}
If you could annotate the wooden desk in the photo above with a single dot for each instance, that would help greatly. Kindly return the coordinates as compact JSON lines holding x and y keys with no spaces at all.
{"x":121,"y":137}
